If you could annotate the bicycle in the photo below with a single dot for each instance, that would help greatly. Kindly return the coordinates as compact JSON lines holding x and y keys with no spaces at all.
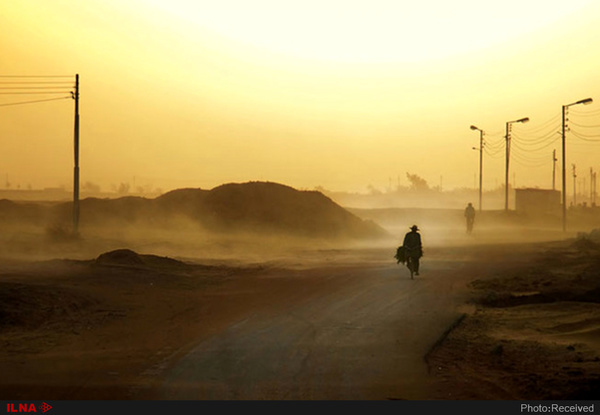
{"x":403,"y":255}
{"x":410,"y":265}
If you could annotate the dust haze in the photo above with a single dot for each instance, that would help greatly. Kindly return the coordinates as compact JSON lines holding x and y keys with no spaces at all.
{"x":262,"y":221}
{"x":197,"y":294}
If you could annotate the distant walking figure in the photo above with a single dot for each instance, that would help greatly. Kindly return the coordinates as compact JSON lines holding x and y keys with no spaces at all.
{"x":470,"y":215}
{"x":413,"y":249}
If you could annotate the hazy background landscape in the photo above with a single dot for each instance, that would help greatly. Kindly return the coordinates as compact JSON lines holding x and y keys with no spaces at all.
{"x":349,"y":97}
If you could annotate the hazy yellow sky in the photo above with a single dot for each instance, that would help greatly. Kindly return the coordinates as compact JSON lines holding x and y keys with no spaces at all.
{"x":339,"y":94}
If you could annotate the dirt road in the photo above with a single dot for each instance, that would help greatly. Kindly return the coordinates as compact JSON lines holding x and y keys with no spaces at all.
{"x":364,"y":337}
{"x":330,"y":324}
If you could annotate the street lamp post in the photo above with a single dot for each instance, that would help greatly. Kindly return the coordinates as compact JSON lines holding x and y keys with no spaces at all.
{"x":564,"y":159}
{"x":508,"y":128}
{"x":481,"y":132}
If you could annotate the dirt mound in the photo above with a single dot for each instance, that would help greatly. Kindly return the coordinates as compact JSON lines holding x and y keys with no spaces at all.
{"x":120,"y":257}
{"x":253,"y":207}
{"x":272,"y":207}
{"x":12,"y":212}
{"x":129,"y":258}
{"x":188,"y":197}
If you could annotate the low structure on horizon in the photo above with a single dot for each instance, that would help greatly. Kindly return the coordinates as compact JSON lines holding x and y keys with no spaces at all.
{"x":532,"y":201}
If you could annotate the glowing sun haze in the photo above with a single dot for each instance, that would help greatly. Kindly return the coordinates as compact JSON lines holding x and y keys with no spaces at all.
{"x":369,"y":31}
{"x":340,"y":94}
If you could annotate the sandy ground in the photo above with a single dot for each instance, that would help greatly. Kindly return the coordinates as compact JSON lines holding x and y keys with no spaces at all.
{"x":524,"y":322}
{"x":534,"y":331}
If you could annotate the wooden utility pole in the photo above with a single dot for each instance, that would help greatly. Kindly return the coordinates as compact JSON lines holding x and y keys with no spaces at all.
{"x":75,"y":95}
{"x":564,"y":158}
{"x":507,"y":149}
{"x":591,"y":185}
{"x":574,"y":185}
{"x":481,"y":132}
{"x":595,"y":193}
{"x":507,"y":137}
{"x":554,"y":160}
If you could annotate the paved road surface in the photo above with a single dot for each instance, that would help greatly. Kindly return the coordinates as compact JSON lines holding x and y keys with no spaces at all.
{"x":364,"y":338}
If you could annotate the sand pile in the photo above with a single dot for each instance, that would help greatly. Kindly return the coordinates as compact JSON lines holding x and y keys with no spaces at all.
{"x":129,"y":258}
{"x":270,"y":207}
{"x":253,"y":207}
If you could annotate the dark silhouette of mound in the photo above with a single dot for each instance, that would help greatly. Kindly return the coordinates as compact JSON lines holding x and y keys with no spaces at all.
{"x":271,"y":207}
{"x":129,"y":258}
{"x":29,"y":212}
{"x":120,"y":257}
{"x":182,"y":198}
{"x":253,"y":207}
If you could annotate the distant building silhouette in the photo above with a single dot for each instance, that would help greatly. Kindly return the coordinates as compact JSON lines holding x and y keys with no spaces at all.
{"x":537,"y":201}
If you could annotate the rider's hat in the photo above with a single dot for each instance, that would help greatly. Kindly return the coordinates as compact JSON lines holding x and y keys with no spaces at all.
{"x":414,"y":228}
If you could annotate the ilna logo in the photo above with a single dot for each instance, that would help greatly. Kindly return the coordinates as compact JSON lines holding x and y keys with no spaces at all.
{"x":27,"y":407}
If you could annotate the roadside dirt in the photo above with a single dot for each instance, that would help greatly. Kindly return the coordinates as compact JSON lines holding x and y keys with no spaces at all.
{"x":534,"y":332}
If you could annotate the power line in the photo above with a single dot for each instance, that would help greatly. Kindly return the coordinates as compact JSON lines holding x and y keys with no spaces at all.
{"x":34,"y":82}
{"x":584,"y":113}
{"x":586,"y":137}
{"x":528,"y":162}
{"x":36,"y":76}
{"x":584,"y":126}
{"x":550,"y":136}
{"x":32,"y":102}
{"x":27,"y":87}
{"x":495,"y":143}
{"x":534,"y":146}
{"x":554,"y":121}
{"x":495,"y":154}
{"x":34,"y":93}
{"x":499,"y":133}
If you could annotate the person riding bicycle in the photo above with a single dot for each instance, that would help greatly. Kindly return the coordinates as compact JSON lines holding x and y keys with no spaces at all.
{"x":414,"y":248}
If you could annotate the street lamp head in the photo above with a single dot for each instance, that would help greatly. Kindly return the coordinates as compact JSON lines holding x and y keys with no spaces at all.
{"x":474,"y":128}
{"x":526,"y":119}
{"x":583,"y":101}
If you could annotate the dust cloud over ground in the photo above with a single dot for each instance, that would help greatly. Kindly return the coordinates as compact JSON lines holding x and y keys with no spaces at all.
{"x":110,"y":312}
{"x":225,"y":222}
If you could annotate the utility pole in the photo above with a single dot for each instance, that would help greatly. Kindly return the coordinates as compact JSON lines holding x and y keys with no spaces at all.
{"x":481,"y":133}
{"x":591,"y":185}
{"x":595,"y":191}
{"x":554,"y":160}
{"x":564,"y":174}
{"x":574,"y":185}
{"x":75,"y":96}
{"x":507,"y":145}
{"x":506,"y":185}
